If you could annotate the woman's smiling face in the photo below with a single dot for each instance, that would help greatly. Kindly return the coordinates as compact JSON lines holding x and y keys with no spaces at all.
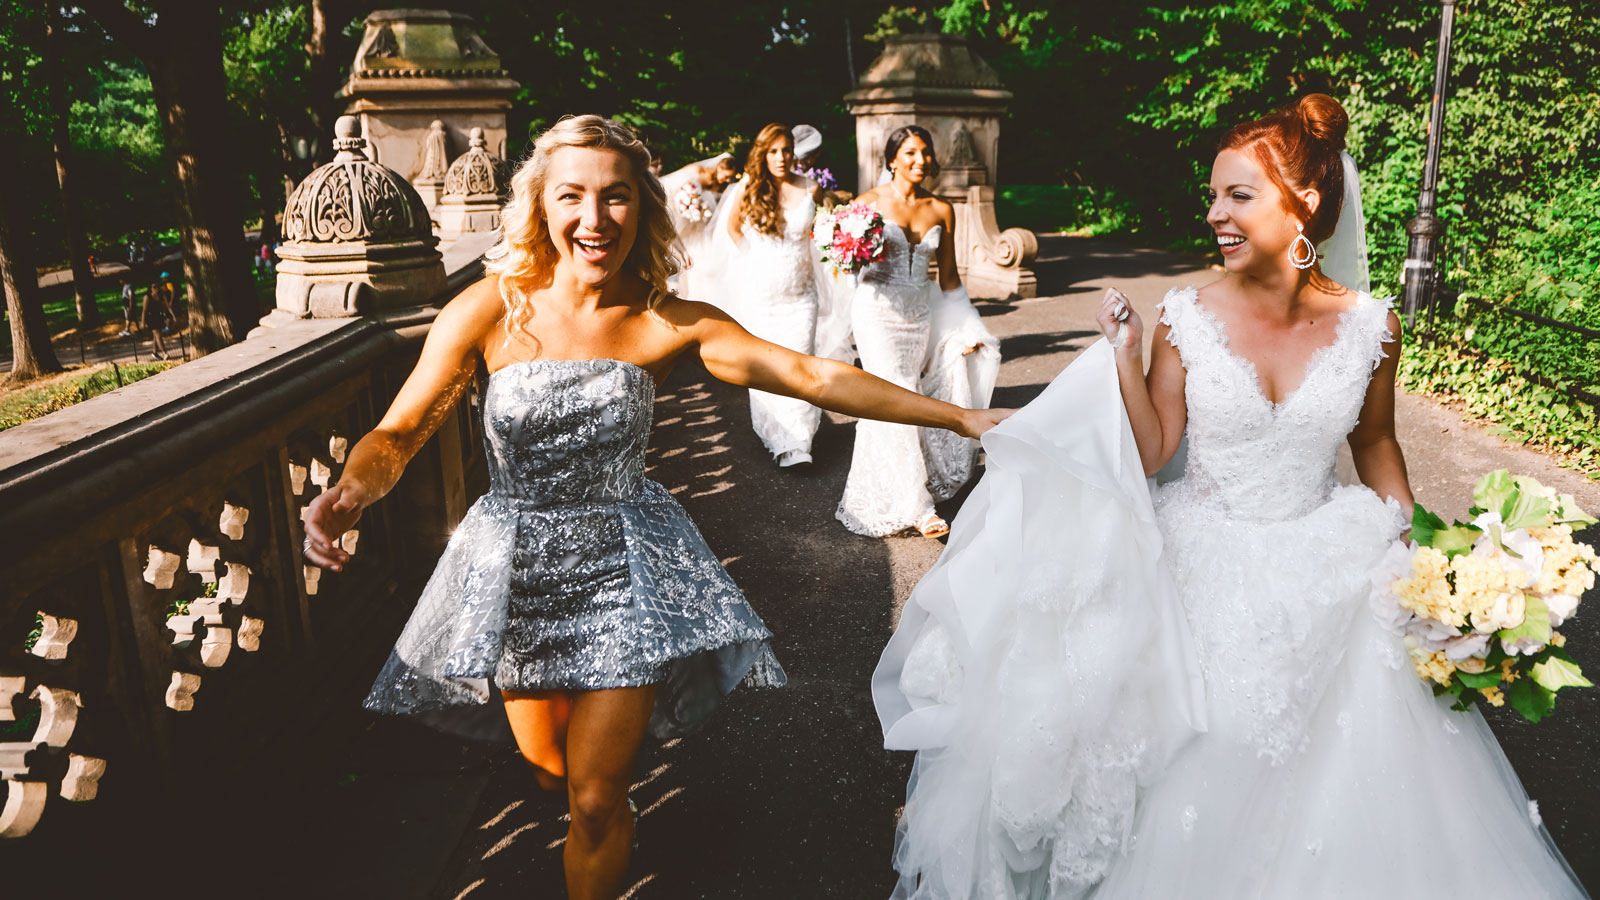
{"x":1249,"y":215}
{"x":591,"y":207}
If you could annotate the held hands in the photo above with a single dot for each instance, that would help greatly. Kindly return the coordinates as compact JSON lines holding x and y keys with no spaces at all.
{"x":977,"y":421}
{"x":329,"y":516}
{"x":1120,"y":324}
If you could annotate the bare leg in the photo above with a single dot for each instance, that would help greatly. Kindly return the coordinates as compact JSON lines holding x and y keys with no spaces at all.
{"x":539,"y":723}
{"x":603,"y":740}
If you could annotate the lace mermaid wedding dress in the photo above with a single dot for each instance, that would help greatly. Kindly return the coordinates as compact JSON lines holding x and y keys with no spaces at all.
{"x":910,"y":333}
{"x":1117,"y":696}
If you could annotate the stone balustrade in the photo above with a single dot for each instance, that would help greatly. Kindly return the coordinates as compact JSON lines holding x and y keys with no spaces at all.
{"x":155,"y":608}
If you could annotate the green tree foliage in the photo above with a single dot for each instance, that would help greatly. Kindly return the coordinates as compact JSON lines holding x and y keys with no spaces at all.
{"x":1127,"y":104}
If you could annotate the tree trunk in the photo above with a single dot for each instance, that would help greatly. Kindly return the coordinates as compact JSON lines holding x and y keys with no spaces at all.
{"x":71,"y":210}
{"x":31,"y":353}
{"x":321,"y":46}
{"x":182,"y":53}
{"x":186,"y":76}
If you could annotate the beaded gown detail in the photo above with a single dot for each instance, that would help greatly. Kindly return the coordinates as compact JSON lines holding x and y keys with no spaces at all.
{"x":574,"y":571}
{"x":908,"y":334}
{"x":1313,"y":763}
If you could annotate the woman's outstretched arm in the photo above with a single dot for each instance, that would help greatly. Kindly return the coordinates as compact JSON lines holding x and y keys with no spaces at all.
{"x":734,"y":355}
{"x":443,"y":373}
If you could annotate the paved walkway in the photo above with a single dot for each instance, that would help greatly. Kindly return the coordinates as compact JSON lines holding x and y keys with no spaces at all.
{"x":788,"y":794}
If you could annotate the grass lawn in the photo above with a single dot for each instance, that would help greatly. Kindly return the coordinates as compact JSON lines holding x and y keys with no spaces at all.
{"x":30,"y":402}
{"x":1049,"y":208}
{"x":62,"y":314}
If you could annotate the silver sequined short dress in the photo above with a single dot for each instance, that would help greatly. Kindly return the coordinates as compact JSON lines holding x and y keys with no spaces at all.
{"x":574,"y":571}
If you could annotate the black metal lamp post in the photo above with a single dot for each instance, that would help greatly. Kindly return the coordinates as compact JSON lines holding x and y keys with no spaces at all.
{"x":1421,"y":279}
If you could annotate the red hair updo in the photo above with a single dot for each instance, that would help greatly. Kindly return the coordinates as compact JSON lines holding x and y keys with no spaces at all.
{"x":1299,"y":148}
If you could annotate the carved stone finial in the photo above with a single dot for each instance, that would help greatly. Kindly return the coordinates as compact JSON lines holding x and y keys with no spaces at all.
{"x":435,"y":158}
{"x":472,"y":190}
{"x":347,"y":139}
{"x":359,"y":240}
{"x":475,"y":174}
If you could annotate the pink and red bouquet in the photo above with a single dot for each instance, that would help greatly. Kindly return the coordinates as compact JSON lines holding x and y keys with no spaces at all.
{"x":849,"y":237}
{"x":689,"y":202}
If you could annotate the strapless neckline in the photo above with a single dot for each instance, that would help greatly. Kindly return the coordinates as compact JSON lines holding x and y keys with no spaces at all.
{"x":592,"y":360}
{"x":904,"y":235}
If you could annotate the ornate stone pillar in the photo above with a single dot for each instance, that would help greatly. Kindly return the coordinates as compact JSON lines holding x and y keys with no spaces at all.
{"x":419,"y":67}
{"x":358,"y":240}
{"x":937,"y":82}
{"x":472,"y":190}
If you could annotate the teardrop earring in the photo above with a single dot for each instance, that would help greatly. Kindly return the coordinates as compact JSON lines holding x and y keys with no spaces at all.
{"x":1308,"y":257}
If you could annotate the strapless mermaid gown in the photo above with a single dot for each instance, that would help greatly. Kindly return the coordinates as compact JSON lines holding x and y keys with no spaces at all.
{"x":574,"y":571}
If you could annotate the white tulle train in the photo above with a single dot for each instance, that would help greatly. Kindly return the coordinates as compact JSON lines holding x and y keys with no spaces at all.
{"x":1042,"y":668}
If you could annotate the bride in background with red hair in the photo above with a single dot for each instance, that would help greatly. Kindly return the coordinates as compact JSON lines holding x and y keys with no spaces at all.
{"x":1129,"y":694}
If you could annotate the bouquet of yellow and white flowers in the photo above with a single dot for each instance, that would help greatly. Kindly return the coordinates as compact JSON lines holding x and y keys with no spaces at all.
{"x":1478,"y":603}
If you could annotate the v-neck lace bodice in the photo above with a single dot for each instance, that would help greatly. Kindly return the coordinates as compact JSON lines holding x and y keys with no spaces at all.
{"x":1265,"y":460}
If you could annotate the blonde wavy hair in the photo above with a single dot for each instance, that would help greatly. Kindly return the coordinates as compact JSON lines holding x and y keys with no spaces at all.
{"x":525,"y":259}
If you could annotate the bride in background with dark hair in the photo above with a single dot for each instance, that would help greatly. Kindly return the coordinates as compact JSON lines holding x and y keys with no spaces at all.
{"x":921,"y":335}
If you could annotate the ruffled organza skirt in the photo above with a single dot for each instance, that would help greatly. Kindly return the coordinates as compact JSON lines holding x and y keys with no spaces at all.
{"x":1122,"y":701}
{"x":1042,"y":669}
{"x":577,"y":596}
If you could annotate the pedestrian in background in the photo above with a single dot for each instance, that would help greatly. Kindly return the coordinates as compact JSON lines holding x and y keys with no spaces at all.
{"x":127,"y":305}
{"x":154,"y":316}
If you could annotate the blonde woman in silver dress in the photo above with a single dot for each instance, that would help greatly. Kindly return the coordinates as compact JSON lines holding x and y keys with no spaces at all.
{"x":577,"y":590}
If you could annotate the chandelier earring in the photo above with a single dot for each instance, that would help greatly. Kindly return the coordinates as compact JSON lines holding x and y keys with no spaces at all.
{"x":1302,"y":253}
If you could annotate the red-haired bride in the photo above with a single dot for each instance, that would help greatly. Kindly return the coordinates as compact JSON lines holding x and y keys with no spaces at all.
{"x":1124,"y":694}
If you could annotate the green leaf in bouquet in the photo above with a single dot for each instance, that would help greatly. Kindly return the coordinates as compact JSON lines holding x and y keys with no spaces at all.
{"x":1556,"y":673}
{"x":1531,"y":699}
{"x":1526,"y":508}
{"x":1567,"y":511}
{"x":1488,"y":678}
{"x":1492,"y":491}
{"x":1535,"y":622}
{"x":1429,"y":530}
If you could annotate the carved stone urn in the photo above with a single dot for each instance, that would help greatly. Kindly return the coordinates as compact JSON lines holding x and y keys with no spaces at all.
{"x":417,"y":68}
{"x":472,"y":190}
{"x":937,"y":82}
{"x":357,"y":240}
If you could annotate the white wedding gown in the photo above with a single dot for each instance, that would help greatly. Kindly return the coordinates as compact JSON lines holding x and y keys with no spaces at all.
{"x":774,"y":291}
{"x":910,"y":333}
{"x":695,"y":236}
{"x":1044,"y":668}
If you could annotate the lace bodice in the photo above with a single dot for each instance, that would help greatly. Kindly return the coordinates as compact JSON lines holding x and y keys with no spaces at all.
{"x":1262,"y":460}
{"x":903,"y":265}
{"x":777,"y":267}
{"x":565,"y":430}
